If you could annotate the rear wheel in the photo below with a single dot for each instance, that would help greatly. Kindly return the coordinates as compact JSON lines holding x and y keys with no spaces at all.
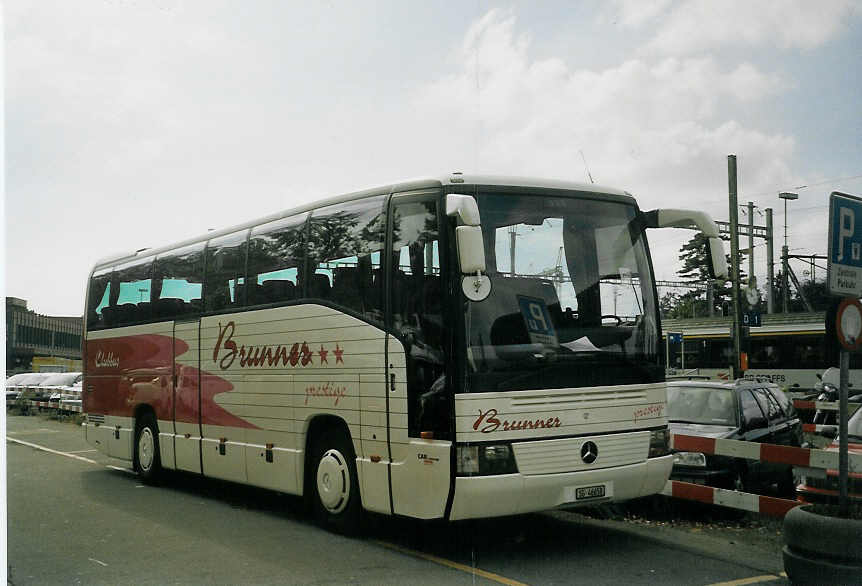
{"x":335,"y":482}
{"x":147,"y":460}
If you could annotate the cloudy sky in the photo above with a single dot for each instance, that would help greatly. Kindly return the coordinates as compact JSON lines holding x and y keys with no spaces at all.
{"x":132,"y":124}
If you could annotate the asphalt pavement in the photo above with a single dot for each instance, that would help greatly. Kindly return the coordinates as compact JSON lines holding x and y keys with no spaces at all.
{"x":76,"y":516}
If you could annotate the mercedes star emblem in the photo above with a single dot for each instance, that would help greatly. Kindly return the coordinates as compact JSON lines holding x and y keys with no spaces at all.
{"x":589,"y":452}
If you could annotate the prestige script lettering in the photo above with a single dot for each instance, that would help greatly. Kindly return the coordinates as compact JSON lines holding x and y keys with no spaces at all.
{"x":325,"y":390}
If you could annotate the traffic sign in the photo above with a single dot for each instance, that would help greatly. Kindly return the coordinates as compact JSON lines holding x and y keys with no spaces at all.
{"x":844,"y":262}
{"x":848,"y":323}
{"x":752,"y":319}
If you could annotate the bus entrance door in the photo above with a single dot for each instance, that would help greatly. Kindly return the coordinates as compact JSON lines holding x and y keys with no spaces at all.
{"x":186,"y":396}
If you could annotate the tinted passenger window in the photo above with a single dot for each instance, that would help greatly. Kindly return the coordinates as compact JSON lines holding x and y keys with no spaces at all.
{"x":275,"y":256}
{"x":225,"y":272}
{"x":178,"y":279}
{"x":769,"y":405}
{"x":751,"y":411}
{"x":344,"y":255}
{"x":98,"y":298}
{"x":784,"y":401}
{"x":129,"y":297}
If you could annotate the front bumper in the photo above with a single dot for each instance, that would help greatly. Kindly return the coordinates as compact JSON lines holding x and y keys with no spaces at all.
{"x":513,"y":494}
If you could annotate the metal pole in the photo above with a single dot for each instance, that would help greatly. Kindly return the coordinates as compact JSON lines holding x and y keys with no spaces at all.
{"x":770,"y":270}
{"x":710,"y":298}
{"x":734,"y":264}
{"x":751,"y":279}
{"x":842,"y":435}
{"x":512,"y":235}
{"x":784,"y":280}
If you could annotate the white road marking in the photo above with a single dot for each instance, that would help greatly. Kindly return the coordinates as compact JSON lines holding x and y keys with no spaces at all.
{"x":49,"y":450}
{"x":103,"y":564}
{"x":752,"y":580}
{"x":33,"y":431}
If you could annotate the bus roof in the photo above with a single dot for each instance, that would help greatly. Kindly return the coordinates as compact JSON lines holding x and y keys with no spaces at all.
{"x":452,"y":183}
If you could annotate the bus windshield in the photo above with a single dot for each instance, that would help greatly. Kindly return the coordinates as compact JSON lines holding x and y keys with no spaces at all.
{"x":572,"y":302}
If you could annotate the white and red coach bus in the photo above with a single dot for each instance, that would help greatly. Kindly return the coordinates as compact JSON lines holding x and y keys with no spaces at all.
{"x":447,"y":348}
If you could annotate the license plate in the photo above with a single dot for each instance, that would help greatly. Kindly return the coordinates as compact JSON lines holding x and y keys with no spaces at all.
{"x":590,"y":492}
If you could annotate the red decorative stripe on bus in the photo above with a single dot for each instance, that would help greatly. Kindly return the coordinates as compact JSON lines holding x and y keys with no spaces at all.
{"x":140,"y":370}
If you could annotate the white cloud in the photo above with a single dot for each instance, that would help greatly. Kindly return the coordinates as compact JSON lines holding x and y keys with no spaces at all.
{"x":700,"y":25}
{"x":648,"y":126}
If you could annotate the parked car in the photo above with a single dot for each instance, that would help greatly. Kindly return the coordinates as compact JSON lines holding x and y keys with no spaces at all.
{"x":743,"y":410}
{"x":66,"y":392}
{"x":817,"y":489}
{"x":55,"y":382}
{"x":12,"y":382}
{"x":26,"y":386}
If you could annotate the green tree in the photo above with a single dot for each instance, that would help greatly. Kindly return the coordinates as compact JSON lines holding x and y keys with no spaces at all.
{"x":695,"y":258}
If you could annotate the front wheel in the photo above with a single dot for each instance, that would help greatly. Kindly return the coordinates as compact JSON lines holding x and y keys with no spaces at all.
{"x":147,"y":460}
{"x":336,"y":486}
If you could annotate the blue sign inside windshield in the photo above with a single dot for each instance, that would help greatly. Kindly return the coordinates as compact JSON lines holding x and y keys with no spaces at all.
{"x":538,"y":320}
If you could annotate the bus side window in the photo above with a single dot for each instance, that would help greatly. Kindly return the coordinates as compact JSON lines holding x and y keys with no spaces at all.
{"x":345,"y":242}
{"x":276,"y":251}
{"x":178,"y":282}
{"x":129,"y":299}
{"x":225,"y":272}
{"x":97,"y":302}
{"x":417,"y":314}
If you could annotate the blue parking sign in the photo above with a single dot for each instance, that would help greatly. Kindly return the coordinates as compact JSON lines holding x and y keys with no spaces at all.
{"x":538,"y":320}
{"x":844,"y":266}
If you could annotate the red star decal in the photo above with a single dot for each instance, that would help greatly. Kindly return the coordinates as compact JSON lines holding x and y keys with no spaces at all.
{"x":323,"y":354}
{"x":339,"y":353}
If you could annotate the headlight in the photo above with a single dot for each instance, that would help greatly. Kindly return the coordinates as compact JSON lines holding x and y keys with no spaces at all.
{"x":689,"y":459}
{"x":659,"y":443}
{"x":486,"y":460}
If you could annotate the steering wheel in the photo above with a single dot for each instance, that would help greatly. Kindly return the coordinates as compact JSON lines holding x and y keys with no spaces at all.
{"x":616,"y":317}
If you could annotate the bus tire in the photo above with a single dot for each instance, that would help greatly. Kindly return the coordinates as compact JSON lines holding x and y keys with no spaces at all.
{"x":335,"y":483}
{"x":147,"y":459}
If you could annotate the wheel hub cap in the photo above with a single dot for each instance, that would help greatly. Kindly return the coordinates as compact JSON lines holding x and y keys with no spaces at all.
{"x":333,"y":481}
{"x":146,"y":449}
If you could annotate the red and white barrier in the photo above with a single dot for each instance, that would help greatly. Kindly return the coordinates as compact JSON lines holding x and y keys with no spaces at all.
{"x":824,"y":406}
{"x":66,"y":406}
{"x":754,"y":503}
{"x":801,"y":457}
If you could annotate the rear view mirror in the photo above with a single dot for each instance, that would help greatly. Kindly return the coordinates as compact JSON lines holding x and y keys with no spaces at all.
{"x":471,"y":247}
{"x":718,"y":266}
{"x":666,"y":218}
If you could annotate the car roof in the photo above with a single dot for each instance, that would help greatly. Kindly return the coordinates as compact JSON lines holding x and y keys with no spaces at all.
{"x":730,"y":386}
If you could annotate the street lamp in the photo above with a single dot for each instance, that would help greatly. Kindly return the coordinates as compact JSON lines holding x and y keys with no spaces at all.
{"x":785,"y":195}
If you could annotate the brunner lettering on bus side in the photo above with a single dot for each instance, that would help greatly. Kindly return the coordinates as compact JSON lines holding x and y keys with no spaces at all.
{"x":300,"y":354}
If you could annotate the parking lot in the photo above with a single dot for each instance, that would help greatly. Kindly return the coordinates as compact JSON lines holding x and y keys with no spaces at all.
{"x":76,"y":516}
